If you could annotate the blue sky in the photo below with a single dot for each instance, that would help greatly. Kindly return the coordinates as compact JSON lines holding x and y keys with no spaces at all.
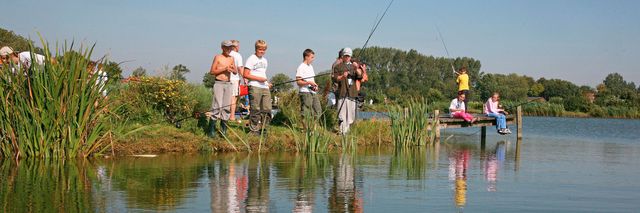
{"x":581,"y":41}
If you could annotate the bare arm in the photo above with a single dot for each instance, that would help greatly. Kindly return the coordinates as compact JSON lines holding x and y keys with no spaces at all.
{"x":301,"y":82}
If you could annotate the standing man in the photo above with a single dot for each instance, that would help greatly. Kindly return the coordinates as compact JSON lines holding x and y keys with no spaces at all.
{"x":463,"y":84}
{"x":255,"y":70}
{"x":236,"y":77}
{"x":345,"y":75}
{"x":309,"y":101}
{"x":222,"y":68}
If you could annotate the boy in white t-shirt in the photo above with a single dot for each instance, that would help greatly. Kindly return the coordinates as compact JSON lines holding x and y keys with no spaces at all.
{"x":235,"y":77}
{"x":255,"y":70}
{"x":309,"y":101}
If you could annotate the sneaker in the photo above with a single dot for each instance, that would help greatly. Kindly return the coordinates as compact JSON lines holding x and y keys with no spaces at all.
{"x":501,"y":131}
{"x":508,"y":131}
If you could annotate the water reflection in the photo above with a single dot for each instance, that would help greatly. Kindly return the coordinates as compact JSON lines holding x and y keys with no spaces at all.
{"x":345,"y":194}
{"x":158,"y":184}
{"x":458,"y":165}
{"x":45,"y":186}
{"x":275,"y":182}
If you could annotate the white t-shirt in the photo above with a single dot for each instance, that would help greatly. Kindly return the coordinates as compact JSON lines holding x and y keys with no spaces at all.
{"x":237,"y":59}
{"x":101,"y":81}
{"x":258,"y":67}
{"x":25,"y":58}
{"x":455,"y":104}
{"x":306,"y":72}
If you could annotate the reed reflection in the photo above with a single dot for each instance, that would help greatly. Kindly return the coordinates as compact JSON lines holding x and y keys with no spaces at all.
{"x":36,"y":185}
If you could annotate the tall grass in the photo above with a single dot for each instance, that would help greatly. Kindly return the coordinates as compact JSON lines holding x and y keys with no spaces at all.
{"x":52,"y":110}
{"x":410,"y":127}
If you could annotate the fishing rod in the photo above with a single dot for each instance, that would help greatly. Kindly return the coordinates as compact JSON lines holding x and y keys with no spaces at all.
{"x":364,"y":46}
{"x":375,"y":27}
{"x":291,"y":81}
{"x":447,"y":50}
{"x":524,"y":103}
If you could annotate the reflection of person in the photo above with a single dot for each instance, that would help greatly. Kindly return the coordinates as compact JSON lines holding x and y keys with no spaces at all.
{"x":255,"y":70}
{"x":344,"y":195}
{"x":345,"y":74}
{"x":221,"y":67}
{"x":458,"y":165}
{"x":491,"y":109}
{"x":463,"y":84}
{"x":492,"y":166}
{"x":457,"y":109}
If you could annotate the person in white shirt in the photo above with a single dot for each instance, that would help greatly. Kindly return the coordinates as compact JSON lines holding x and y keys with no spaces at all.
{"x":235,"y":78}
{"x":21,"y":60}
{"x":457,"y":109}
{"x":309,"y":101}
{"x":255,"y":70}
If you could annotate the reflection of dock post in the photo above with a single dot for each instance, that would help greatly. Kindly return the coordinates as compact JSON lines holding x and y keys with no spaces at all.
{"x":483,"y":137}
{"x":436,"y":120}
{"x":519,"y":121}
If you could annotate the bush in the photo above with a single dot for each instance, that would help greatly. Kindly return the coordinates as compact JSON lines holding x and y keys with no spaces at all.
{"x":576,"y":103}
{"x":150,"y":97}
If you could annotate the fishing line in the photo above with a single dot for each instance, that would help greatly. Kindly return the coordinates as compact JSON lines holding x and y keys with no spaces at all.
{"x":446,"y":49}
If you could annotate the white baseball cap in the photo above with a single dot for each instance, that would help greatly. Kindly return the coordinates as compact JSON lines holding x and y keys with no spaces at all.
{"x":347,"y":51}
{"x":227,"y":43}
{"x":5,"y":51}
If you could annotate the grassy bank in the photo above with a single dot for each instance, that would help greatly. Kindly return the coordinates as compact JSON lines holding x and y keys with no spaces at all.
{"x":166,"y":138}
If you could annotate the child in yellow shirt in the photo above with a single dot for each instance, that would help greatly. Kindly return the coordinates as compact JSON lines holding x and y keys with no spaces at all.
{"x":463,"y":84}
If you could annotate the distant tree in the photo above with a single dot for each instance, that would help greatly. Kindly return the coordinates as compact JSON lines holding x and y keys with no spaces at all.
{"x":178,"y":71}
{"x":511,"y":87}
{"x":558,"y":88}
{"x":139,"y":72}
{"x":615,"y":91}
{"x":278,"y":82}
{"x":17,"y":42}
{"x":536,"y":89}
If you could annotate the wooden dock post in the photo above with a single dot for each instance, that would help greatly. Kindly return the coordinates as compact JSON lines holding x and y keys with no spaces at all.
{"x":483,"y":137}
{"x":436,"y":120}
{"x":519,"y":121}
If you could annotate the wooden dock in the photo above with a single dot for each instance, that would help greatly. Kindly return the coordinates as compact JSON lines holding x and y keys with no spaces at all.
{"x":446,"y":121}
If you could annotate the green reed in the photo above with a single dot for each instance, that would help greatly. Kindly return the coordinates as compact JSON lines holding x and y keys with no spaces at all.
{"x":410,"y":125}
{"x":52,"y":110}
{"x":313,"y":138}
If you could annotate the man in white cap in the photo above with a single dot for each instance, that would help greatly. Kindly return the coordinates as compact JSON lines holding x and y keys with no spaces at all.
{"x":222,"y":67}
{"x":345,"y":75}
{"x":21,"y":60}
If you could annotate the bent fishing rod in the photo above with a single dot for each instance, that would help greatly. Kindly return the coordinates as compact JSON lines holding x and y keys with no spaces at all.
{"x":446,"y":50}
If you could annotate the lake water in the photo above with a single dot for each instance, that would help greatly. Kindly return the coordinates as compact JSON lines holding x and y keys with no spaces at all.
{"x":561,"y":165}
